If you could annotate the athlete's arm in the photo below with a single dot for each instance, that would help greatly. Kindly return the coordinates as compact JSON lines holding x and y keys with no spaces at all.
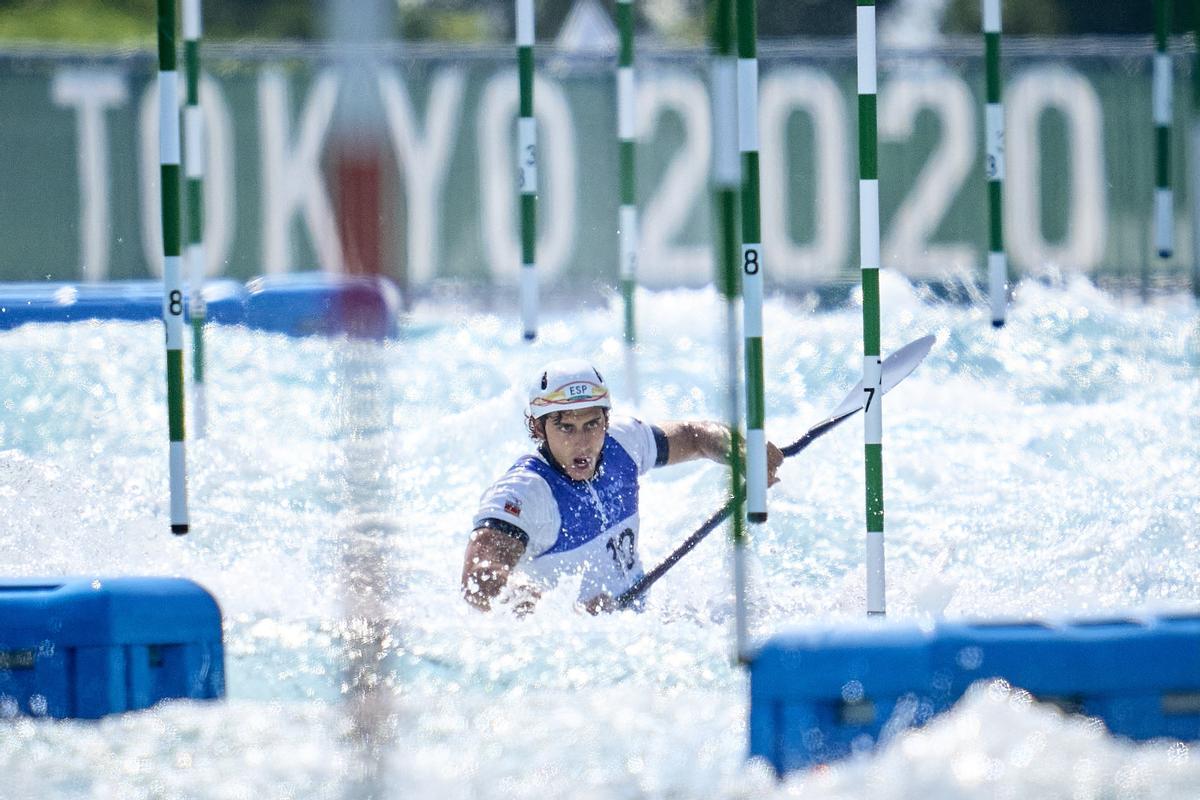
{"x":490,"y":558}
{"x":688,"y":440}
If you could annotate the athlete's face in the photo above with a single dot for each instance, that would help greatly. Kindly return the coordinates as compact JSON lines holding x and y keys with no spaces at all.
{"x":575,"y":439}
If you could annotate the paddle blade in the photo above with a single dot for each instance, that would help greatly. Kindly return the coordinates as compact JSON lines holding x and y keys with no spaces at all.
{"x":900,"y":364}
{"x":896,"y":367}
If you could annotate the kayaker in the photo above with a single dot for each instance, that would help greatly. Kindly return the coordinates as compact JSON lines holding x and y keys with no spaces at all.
{"x":571,"y":507}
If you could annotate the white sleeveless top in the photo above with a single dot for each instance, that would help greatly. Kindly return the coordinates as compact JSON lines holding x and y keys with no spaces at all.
{"x":589,"y":528}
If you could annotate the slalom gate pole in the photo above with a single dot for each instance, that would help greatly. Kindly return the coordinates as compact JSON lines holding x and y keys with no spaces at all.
{"x":627,"y":222}
{"x":994,"y":163}
{"x":193,"y":154}
{"x":752,"y":262}
{"x":1194,"y":161}
{"x":361,"y":397}
{"x":1163,"y":91}
{"x":626,"y":134}
{"x":868,"y":215}
{"x":726,"y":171}
{"x":527,"y":170}
{"x":168,"y":152}
{"x":896,"y":368}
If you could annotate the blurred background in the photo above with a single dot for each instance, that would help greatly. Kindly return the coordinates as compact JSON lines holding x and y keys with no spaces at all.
{"x":1045,"y":468}
{"x":381,"y":140}
{"x":429,"y":90}
{"x":490,"y":21}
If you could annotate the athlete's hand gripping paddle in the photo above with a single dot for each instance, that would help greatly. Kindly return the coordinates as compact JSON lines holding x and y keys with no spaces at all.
{"x":896,"y":368}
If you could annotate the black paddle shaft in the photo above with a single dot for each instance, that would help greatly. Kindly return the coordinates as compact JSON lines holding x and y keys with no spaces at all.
{"x":896,"y":368}
{"x":646,"y":581}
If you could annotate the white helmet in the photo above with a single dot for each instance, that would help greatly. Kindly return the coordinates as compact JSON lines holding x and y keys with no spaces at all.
{"x":567,"y":385}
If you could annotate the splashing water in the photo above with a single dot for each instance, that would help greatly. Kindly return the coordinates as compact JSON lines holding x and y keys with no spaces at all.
{"x":1046,"y":468}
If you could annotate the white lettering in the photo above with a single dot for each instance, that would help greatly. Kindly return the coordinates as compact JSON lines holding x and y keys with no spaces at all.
{"x":663,"y":261}
{"x":90,"y":93}
{"x":220,"y":201}
{"x":291,"y":171}
{"x":908,"y":245}
{"x":801,"y":90}
{"x":423,"y":161}
{"x":498,"y":176}
{"x":1032,"y":94}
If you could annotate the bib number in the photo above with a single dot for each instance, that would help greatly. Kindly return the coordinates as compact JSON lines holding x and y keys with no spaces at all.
{"x":622,"y":549}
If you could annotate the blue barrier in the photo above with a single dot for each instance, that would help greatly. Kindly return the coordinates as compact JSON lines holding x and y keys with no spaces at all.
{"x":820,"y":694}
{"x":307,"y":303}
{"x":83,"y":648}
{"x":296,"y":304}
{"x":135,"y":301}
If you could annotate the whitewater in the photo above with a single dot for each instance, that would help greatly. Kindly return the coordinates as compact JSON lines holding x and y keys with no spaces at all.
{"x":1045,"y":469}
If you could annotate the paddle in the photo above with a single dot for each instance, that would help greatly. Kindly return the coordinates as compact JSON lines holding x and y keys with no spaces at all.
{"x":896,"y":368}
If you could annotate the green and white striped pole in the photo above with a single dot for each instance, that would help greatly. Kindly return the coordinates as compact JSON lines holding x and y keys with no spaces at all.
{"x":626,"y":133}
{"x":726,"y":172}
{"x":527,"y":170}
{"x":994,"y":165}
{"x":1195,"y":159}
{"x":1163,"y":90}
{"x":868,"y":237}
{"x":752,"y":260}
{"x":193,"y":153}
{"x":168,"y":156}
{"x":627,"y":222}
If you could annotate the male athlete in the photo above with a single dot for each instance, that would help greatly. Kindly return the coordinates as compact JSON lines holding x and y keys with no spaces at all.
{"x":572,"y":507}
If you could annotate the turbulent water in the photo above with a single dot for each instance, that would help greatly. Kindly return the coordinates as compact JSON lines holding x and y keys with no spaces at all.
{"x":1047,"y":468}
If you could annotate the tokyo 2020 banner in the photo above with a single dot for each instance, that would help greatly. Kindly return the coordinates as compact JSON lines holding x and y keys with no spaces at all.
{"x":80,"y":172}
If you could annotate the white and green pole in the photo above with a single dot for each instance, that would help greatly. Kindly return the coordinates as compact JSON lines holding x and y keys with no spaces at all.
{"x":627,"y":222}
{"x":726,"y":175}
{"x":168,"y":152}
{"x":1194,"y":162}
{"x":193,"y":157}
{"x":527,"y":170}
{"x":994,"y":165}
{"x":626,"y":133}
{"x":752,"y":260}
{"x":868,"y":237}
{"x":1163,"y":90}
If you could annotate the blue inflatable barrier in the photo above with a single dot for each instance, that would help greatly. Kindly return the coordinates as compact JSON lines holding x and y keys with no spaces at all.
{"x":307,"y":303}
{"x":296,"y":304}
{"x":820,"y":694}
{"x":83,"y":648}
{"x":135,"y":301}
